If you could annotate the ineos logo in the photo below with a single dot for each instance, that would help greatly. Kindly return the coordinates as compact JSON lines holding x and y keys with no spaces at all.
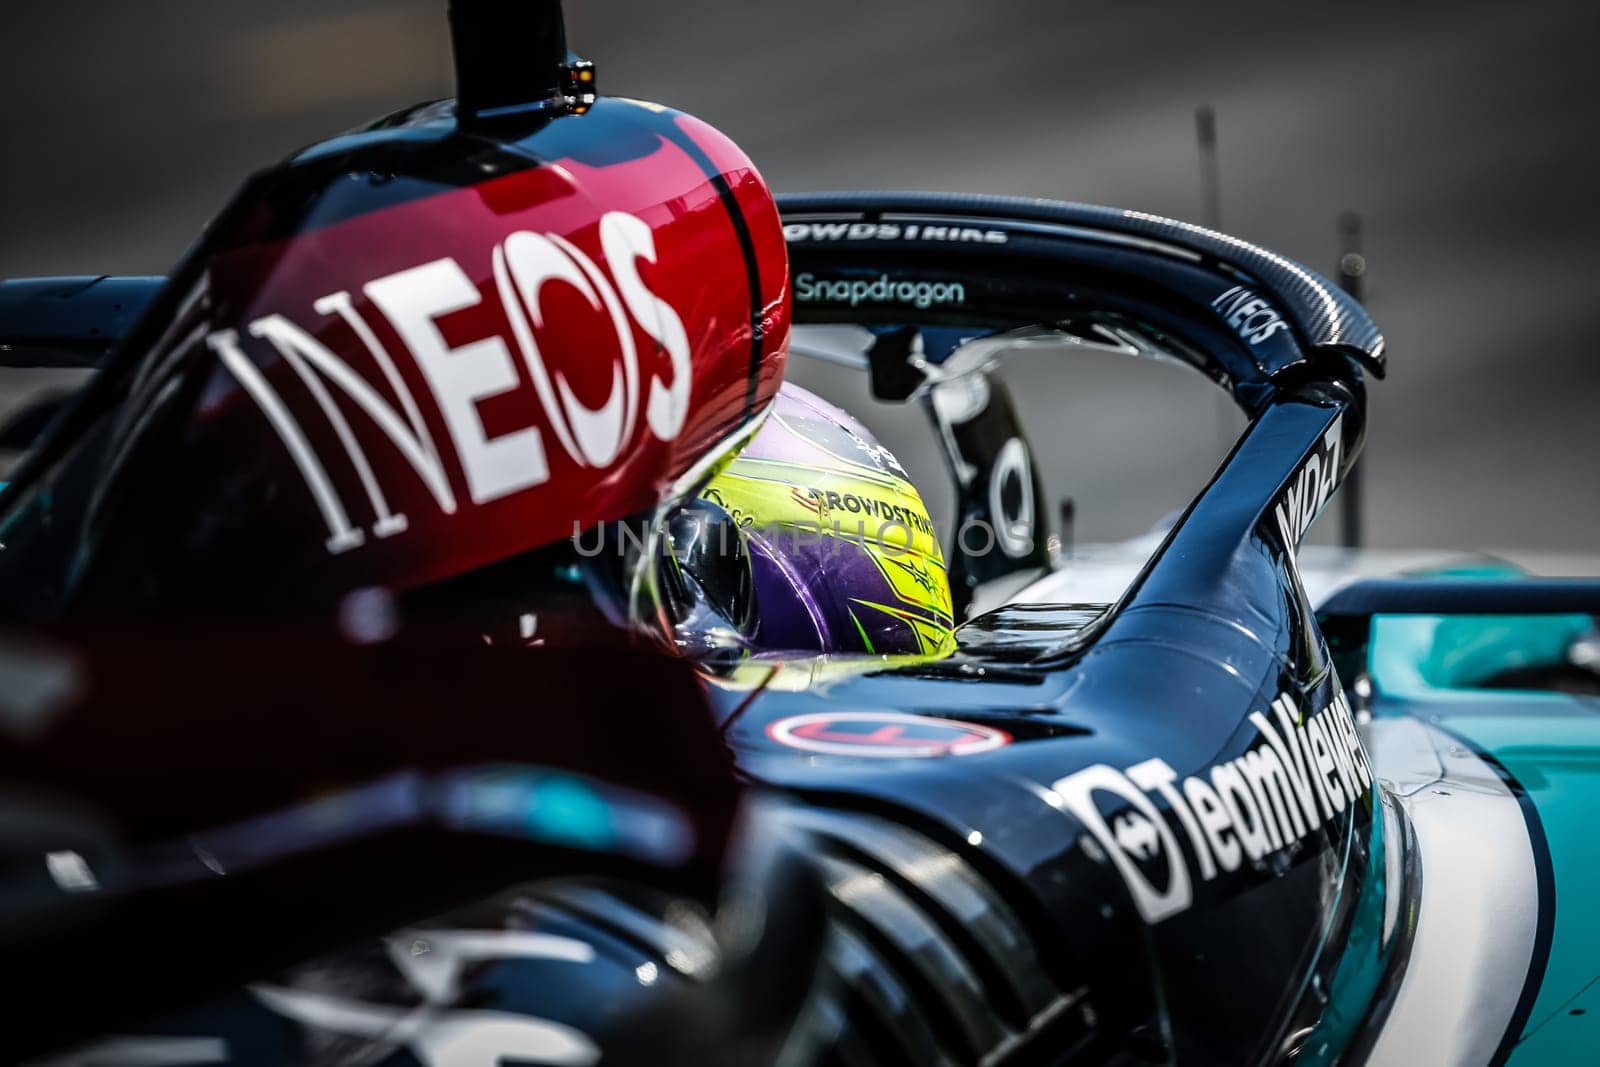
{"x":1252,"y":317}
{"x":459,"y":378}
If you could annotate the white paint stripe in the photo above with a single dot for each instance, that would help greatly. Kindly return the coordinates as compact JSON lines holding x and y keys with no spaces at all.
{"x":1479,"y":907}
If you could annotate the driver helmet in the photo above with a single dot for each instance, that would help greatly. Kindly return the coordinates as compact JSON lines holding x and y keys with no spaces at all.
{"x":812,"y":539}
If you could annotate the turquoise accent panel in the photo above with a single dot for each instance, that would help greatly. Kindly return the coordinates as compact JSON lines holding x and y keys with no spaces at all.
{"x":545,"y":806}
{"x":567,"y":810}
{"x":1550,"y":743}
{"x":1461,"y":651}
{"x":1570,"y":1036}
{"x":1468,"y":650}
{"x":1556,"y":757}
{"x":1361,"y":967}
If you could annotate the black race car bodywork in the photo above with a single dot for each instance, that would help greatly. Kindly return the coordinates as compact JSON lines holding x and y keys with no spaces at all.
{"x":1181,"y":822}
{"x":1140,"y":831}
{"x":1175,"y":848}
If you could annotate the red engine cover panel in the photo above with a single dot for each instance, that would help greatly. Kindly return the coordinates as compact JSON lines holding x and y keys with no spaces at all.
{"x":451,"y":381}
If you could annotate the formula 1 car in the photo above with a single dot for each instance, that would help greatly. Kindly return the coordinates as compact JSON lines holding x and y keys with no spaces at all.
{"x":435,"y":635}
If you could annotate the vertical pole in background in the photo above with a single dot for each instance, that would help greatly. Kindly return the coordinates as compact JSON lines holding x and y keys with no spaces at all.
{"x":1352,"y":268}
{"x":1205,"y":128}
{"x":1205,"y":132}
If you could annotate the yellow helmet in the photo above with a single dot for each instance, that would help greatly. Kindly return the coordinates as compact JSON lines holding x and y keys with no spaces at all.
{"x":813,"y":538}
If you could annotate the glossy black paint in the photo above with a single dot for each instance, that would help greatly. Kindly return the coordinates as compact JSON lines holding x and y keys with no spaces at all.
{"x":1324,"y":317}
{"x":508,"y":57}
{"x":1215,"y":628}
{"x":47,"y":322}
{"x":1427,"y":595}
{"x":1054,"y":957}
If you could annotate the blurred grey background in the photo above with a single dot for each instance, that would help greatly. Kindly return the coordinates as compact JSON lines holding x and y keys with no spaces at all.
{"x":1464,"y":133}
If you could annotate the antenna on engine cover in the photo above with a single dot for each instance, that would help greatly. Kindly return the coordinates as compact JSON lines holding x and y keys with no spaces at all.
{"x":512,"y":60}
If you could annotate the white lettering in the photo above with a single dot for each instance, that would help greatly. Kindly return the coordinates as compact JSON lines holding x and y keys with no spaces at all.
{"x":412,"y":300}
{"x":1214,"y":818}
{"x":626,"y":240}
{"x":1249,"y":807}
{"x":1155,"y":775}
{"x":1077,"y":795}
{"x":459,"y":378}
